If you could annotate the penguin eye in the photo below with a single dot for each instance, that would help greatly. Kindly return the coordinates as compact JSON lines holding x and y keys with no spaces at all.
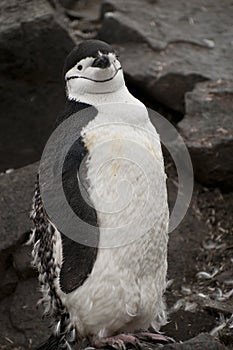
{"x":80,"y":67}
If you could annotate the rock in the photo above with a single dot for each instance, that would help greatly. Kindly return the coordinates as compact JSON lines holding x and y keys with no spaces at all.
{"x":84,"y":16}
{"x":222,"y":307}
{"x":226,"y":336}
{"x":66,"y":3}
{"x":225,"y":277}
{"x":166,"y":46}
{"x":8,"y":283}
{"x":33,"y":48}
{"x":25,"y":317}
{"x":88,"y":9}
{"x":10,"y":338}
{"x":201,"y":342}
{"x":208,"y":131}
{"x":22,"y":262}
{"x":22,"y":323}
{"x":16,"y":191}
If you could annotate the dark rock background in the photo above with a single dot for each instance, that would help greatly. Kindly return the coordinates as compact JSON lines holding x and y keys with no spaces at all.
{"x":177,"y":58}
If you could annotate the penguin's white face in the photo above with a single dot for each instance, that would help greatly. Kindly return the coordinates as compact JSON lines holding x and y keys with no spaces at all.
{"x":94,"y":75}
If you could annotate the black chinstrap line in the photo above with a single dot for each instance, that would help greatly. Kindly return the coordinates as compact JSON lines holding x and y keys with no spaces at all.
{"x":96,"y":81}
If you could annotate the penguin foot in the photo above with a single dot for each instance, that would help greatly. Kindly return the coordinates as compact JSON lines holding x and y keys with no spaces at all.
{"x":118,"y":342}
{"x":152,"y":337}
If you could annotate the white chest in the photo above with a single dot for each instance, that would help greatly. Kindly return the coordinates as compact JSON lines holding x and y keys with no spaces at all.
{"x":126,"y":178}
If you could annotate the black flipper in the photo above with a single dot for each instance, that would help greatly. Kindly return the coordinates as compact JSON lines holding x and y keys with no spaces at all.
{"x":78,"y":259}
{"x":80,"y":248}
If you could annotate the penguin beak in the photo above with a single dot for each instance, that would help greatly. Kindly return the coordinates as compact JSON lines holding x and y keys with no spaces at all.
{"x":101,"y":62}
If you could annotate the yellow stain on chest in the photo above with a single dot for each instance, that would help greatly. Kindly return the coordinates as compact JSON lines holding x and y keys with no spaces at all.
{"x":90,"y":140}
{"x":115,"y":148}
{"x":116,"y":145}
{"x":116,"y":151}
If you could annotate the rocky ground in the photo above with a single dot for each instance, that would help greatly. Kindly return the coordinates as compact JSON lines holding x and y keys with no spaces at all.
{"x":177,"y":58}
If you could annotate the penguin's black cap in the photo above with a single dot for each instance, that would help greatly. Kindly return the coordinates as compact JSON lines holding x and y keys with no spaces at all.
{"x":88,"y":48}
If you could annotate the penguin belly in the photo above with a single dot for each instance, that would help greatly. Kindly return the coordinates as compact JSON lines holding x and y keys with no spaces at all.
{"x":126,"y":183}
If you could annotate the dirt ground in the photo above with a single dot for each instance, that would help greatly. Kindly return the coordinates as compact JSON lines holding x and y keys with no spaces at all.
{"x":200,"y":265}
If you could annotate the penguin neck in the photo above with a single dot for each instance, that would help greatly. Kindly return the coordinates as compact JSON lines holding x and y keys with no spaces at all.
{"x":121,"y":95}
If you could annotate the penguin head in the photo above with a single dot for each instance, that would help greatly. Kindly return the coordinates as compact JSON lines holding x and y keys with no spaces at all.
{"x":92,"y":68}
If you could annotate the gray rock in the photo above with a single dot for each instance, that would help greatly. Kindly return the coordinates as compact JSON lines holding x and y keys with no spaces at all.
{"x":66,"y":3}
{"x":10,"y":338}
{"x":201,"y":342}
{"x":33,"y":48}
{"x":24,"y":314}
{"x":225,"y":277}
{"x":166,"y":47}
{"x":226,"y":336}
{"x":8,"y":283}
{"x":223,"y":307}
{"x":22,"y":262}
{"x":23,"y":325}
{"x":208,"y":131}
{"x":16,"y":191}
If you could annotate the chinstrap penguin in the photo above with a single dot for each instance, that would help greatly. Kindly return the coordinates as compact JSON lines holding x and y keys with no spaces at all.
{"x":111,"y":296}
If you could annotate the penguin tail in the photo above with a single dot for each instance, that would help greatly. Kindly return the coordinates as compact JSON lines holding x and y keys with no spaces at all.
{"x":54,"y":343}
